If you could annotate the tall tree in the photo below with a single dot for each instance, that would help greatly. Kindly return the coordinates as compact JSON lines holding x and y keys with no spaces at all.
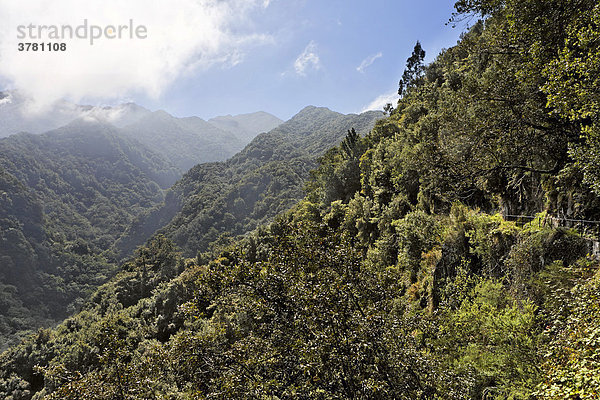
{"x":414,"y":69}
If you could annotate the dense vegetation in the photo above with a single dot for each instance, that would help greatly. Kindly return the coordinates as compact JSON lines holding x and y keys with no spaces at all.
{"x":396,"y":277}
{"x":65,"y":197}
{"x":70,"y":194}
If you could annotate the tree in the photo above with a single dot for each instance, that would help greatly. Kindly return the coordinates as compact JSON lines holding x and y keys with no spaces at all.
{"x":350,"y":145}
{"x":572,"y":88}
{"x":414,"y":69}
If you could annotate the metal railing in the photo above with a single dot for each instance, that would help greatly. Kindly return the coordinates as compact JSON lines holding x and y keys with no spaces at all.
{"x":588,"y":229}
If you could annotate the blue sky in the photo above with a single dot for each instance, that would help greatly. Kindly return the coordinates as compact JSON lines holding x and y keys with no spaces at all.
{"x":218,"y":57}
{"x":343,"y":34}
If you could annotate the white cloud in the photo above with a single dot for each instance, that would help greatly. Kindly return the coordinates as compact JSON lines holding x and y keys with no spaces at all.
{"x":308,"y":59}
{"x":368,"y":61}
{"x":182,"y":36}
{"x":381,"y":101}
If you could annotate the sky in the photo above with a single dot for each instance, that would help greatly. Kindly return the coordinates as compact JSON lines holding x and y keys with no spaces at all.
{"x":219,"y":57}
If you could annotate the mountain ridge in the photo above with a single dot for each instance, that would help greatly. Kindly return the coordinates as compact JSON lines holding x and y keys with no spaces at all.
{"x":20,"y":114}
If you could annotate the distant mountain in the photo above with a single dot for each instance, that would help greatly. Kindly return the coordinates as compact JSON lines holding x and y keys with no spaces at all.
{"x":217,"y":200}
{"x":188,"y":141}
{"x":246,"y":126}
{"x":184,"y":141}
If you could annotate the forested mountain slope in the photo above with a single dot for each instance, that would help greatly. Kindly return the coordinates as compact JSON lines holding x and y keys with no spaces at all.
{"x":218,"y":200}
{"x":66,"y":196}
{"x":397,"y":276}
{"x":69,"y":194}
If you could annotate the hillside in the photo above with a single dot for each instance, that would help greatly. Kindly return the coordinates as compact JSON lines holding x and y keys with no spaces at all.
{"x":216,"y":201}
{"x":67,"y":195}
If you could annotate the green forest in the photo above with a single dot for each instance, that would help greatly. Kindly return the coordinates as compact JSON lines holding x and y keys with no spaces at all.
{"x":65,"y":197}
{"x":442,"y":254}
